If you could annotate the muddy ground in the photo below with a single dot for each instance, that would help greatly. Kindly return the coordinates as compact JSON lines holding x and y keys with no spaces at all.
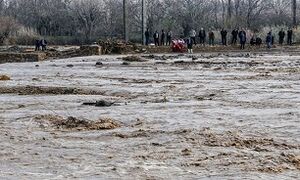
{"x":206,"y":116}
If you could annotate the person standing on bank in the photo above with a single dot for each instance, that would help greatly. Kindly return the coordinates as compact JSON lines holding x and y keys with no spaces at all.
{"x":290,"y":36}
{"x":156,"y":38}
{"x":163,"y":37}
{"x":147,"y":36}
{"x":224,"y":37}
{"x":269,"y":40}
{"x":44,"y":43}
{"x":190,"y":45}
{"x":281,"y":35}
{"x":273,"y":39}
{"x":243,"y":38}
{"x":211,"y":38}
{"x":37,"y":45}
{"x":202,"y":36}
{"x":234,"y":34}
{"x":193,"y":36}
{"x":169,"y":38}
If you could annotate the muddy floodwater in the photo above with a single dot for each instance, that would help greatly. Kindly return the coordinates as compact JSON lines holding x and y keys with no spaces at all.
{"x":206,"y":116}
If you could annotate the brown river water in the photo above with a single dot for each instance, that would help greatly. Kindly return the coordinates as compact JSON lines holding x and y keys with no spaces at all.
{"x":209,"y":116}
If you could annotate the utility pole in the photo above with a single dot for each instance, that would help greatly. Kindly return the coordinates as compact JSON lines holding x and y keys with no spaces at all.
{"x":143,"y":21}
{"x":125,"y":21}
{"x":294,"y":10}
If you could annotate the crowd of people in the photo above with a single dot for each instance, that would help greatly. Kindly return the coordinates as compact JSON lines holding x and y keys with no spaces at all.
{"x":165,"y":38}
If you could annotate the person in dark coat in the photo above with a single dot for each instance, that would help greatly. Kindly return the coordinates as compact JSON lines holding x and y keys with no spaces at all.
{"x":44,"y":43}
{"x":202,"y":36}
{"x":269,"y":40}
{"x":253,"y":41}
{"x":243,"y":38}
{"x":37,"y":45}
{"x":211,"y":38}
{"x":281,"y":35}
{"x":258,"y":41}
{"x":224,"y":37}
{"x":234,"y":34}
{"x":190,"y":42}
{"x":147,"y":36}
{"x":169,"y":38}
{"x":290,"y":36}
{"x":156,"y":38}
{"x":163,"y":37}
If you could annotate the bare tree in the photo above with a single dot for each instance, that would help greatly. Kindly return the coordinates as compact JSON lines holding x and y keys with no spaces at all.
{"x":294,"y":10}
{"x":254,"y":8}
{"x":223,"y":12}
{"x":229,"y":14}
{"x":143,"y":20}
{"x":95,"y":19}
{"x":125,"y":21}
{"x":7,"y":27}
{"x":88,"y":14}
{"x":1,"y":6}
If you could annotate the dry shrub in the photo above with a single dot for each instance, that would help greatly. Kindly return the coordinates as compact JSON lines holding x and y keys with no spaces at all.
{"x":4,"y":78}
{"x":11,"y":32}
{"x":8,"y":26}
{"x":25,"y":36}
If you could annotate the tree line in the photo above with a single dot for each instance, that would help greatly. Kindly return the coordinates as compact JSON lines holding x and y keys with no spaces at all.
{"x":94,"y":19}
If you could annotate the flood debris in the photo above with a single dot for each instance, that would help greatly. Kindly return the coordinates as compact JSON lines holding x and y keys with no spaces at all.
{"x":134,"y":59}
{"x":162,"y":57}
{"x":186,"y":152}
{"x":74,"y":123}
{"x":112,"y":46}
{"x":35,"y":79}
{"x":4,"y":78}
{"x":101,"y":103}
{"x":156,"y":101}
{"x":206,"y":97}
{"x":233,"y":139}
{"x":90,"y":50}
{"x":292,"y":158}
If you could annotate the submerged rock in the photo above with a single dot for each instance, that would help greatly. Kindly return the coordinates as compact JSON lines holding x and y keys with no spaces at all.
{"x":194,"y":58}
{"x":70,"y":65}
{"x":99,"y":63}
{"x":100,"y":103}
{"x":125,"y":63}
